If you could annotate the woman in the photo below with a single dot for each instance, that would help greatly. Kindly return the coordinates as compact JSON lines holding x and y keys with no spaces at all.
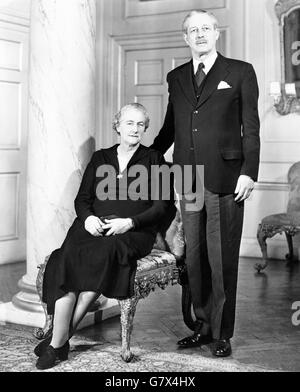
{"x":111,"y":232}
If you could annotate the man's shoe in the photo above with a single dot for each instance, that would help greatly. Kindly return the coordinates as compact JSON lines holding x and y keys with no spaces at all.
{"x":196,"y":340}
{"x":222,"y":348}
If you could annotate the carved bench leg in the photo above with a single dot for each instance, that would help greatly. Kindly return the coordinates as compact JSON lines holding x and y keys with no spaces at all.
{"x":43,"y":333}
{"x":128,"y":308}
{"x":261,"y":237}
{"x":290,"y":255}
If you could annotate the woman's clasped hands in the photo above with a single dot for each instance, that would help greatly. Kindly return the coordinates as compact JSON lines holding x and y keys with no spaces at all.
{"x":107,"y":227}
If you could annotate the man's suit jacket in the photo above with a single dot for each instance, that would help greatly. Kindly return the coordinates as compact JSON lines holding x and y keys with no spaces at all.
{"x":220,"y":129}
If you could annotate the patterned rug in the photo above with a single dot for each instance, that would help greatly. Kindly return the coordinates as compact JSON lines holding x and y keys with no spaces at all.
{"x":86,"y":355}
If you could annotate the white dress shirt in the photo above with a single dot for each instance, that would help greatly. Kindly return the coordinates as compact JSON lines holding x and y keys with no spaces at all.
{"x":208,"y":62}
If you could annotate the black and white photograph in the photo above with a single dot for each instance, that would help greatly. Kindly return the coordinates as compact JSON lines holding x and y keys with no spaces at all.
{"x":149,"y":189}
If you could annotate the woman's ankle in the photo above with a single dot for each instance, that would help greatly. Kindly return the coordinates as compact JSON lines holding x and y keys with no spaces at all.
{"x":58,"y":343}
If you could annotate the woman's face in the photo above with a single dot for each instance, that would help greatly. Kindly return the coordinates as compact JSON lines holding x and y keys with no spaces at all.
{"x":131,"y":127}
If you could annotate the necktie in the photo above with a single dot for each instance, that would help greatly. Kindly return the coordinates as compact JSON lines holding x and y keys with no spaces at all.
{"x":200,"y":74}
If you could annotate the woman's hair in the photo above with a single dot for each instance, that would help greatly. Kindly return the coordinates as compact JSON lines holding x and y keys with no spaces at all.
{"x":133,"y":105}
{"x":194,"y":12}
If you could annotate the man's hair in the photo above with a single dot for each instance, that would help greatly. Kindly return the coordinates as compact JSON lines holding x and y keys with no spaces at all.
{"x":194,"y":12}
{"x":133,"y":105}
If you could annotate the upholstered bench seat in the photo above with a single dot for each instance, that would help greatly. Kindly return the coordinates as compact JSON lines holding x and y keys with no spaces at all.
{"x":156,"y":259}
{"x":281,"y":219}
{"x":156,"y":269}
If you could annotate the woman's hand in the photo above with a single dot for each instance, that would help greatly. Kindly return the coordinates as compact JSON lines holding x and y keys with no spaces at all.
{"x":117,"y":225}
{"x":94,"y":225}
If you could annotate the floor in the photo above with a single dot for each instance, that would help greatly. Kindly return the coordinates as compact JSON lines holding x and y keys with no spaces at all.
{"x":264,"y":334}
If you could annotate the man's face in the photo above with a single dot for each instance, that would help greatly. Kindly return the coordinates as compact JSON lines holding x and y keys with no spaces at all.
{"x":201,"y":35}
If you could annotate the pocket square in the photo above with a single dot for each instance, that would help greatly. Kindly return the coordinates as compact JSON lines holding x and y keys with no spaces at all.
{"x":223,"y":85}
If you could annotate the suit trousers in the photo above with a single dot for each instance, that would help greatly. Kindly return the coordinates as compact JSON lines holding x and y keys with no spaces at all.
{"x":213,"y":236}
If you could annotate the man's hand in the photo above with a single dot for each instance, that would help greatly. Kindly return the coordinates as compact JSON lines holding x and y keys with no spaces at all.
{"x":244,"y":187}
{"x":117,"y":225}
{"x":94,"y":225}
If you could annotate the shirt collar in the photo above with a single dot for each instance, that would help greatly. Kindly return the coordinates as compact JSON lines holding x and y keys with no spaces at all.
{"x":208,"y":62}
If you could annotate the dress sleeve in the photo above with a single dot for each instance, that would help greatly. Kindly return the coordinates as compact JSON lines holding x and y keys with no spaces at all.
{"x":153,"y":215}
{"x":86,"y":194}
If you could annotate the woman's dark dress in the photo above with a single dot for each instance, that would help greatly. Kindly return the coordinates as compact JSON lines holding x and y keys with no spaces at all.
{"x":102,"y":264}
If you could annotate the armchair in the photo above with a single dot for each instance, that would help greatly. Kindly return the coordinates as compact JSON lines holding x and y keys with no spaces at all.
{"x":287,"y":222}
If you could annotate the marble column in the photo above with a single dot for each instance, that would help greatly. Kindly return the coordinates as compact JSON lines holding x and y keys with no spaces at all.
{"x":62,"y":83}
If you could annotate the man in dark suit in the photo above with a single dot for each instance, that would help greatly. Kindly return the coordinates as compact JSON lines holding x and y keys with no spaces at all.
{"x":212,"y":118}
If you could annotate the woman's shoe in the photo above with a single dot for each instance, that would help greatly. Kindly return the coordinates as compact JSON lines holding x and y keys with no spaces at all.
{"x":41,"y":347}
{"x":48,"y":359}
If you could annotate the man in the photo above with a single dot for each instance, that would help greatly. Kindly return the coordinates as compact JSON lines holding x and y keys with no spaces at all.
{"x":213,"y":119}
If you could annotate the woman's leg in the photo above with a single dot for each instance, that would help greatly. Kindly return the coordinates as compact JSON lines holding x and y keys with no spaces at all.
{"x":85,"y":299}
{"x":63,"y":311}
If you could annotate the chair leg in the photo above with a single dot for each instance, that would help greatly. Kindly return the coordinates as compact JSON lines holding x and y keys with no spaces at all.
{"x":128,"y":308}
{"x":261,"y":237}
{"x":290,"y":255}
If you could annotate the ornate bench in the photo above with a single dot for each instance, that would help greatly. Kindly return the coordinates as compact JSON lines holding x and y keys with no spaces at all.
{"x":163,"y":266}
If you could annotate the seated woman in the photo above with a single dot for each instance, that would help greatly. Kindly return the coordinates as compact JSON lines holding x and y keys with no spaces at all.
{"x":111,"y":232}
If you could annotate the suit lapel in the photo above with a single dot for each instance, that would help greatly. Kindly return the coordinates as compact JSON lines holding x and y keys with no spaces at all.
{"x":218,"y":72}
{"x":186,"y":82}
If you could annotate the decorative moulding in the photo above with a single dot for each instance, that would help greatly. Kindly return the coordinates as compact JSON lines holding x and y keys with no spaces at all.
{"x":284,"y":6}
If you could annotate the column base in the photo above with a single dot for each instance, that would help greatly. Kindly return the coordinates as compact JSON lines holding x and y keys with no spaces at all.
{"x":27,"y":298}
{"x":10,"y":314}
{"x":107,"y":310}
{"x":26,"y":308}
